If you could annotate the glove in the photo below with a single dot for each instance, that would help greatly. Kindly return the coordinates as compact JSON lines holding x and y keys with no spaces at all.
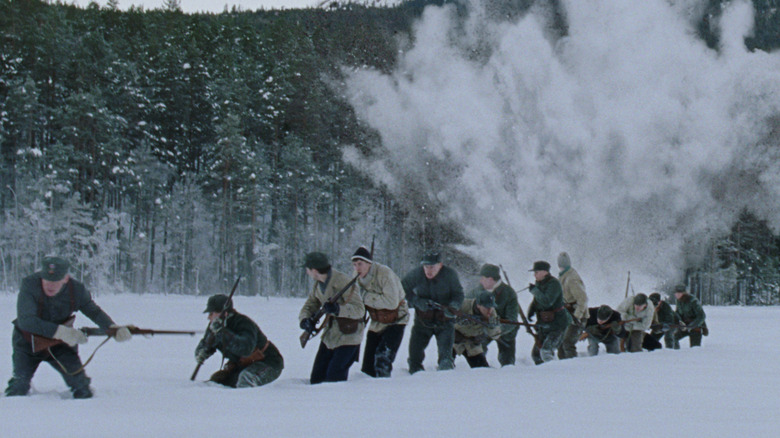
{"x":307,"y":324}
{"x":531,"y":286}
{"x":683,"y":327}
{"x":201,"y":354}
{"x":448,"y":313}
{"x":217,"y":325}
{"x":70,"y":336}
{"x":122,"y":332}
{"x":331,"y":308}
{"x":615,"y":326}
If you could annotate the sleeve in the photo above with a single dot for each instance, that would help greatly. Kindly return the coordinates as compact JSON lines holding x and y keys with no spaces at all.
{"x":311,"y":306}
{"x":408,"y":284}
{"x":512,"y":306}
{"x":456,"y":291}
{"x":580,"y":297}
{"x":240,"y":340}
{"x":698,"y":321}
{"x":391,"y":286}
{"x":91,"y":310}
{"x":546,"y":298}
{"x":27,"y":312}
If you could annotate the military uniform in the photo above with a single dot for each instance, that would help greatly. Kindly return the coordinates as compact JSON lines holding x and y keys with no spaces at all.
{"x":553,"y":318}
{"x":690,"y":313}
{"x":253,"y":360}
{"x":383,"y":296}
{"x":40,"y":315}
{"x":342,"y":333}
{"x":471,"y":336}
{"x":607,"y":333}
{"x":664,"y":317}
{"x":444,"y":289}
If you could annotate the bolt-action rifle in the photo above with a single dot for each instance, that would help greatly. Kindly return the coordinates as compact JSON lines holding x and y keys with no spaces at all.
{"x":584,"y":335}
{"x":41,"y":343}
{"x":306,"y":335}
{"x":222,"y":315}
{"x":522,"y":313}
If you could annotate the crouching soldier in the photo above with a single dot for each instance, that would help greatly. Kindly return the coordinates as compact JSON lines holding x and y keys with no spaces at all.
{"x":43,"y":328}
{"x":637,"y":318}
{"x":477,"y":325}
{"x":664,"y":318}
{"x":383,"y":297}
{"x":691,"y":318}
{"x":253,"y":360}
{"x":553,"y":317}
{"x":603,"y":326}
{"x":343,"y":325}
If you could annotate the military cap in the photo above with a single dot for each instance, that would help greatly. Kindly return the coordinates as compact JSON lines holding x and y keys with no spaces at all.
{"x":491,"y":271}
{"x":541,"y":265}
{"x":640,"y":299}
{"x":54,"y":268}
{"x":217,"y":302}
{"x":604,"y":312}
{"x":431,"y":258}
{"x":679,"y":288}
{"x":316,"y":260}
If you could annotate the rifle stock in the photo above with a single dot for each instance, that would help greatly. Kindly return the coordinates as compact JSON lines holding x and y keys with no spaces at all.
{"x":41,"y":343}
{"x":522,"y":313}
{"x":306,"y":335}
{"x":224,"y":308}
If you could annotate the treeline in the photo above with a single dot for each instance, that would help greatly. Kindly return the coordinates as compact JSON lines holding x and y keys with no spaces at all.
{"x":167,"y":152}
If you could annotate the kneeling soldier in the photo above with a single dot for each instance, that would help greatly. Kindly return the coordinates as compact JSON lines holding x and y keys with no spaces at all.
{"x":603,"y":326}
{"x":472,"y":333}
{"x":253,"y":360}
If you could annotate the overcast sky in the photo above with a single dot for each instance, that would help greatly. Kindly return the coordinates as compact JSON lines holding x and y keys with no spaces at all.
{"x":208,"y":5}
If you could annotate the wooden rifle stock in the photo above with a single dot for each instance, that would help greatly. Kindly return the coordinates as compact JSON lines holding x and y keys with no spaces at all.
{"x":224,"y":308}
{"x":41,"y":343}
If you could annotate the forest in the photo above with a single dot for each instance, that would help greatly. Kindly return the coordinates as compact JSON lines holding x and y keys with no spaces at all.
{"x":164,"y":152}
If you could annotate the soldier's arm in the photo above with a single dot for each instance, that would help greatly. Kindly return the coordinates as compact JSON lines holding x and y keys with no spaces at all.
{"x":241,"y":340}
{"x":698,"y":320}
{"x":27,"y":312}
{"x":409,"y":283}
{"x":581,"y":299}
{"x":310,"y":307}
{"x":90,"y":309}
{"x":456,"y":291}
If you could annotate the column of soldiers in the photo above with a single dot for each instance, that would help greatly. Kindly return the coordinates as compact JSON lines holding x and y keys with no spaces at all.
{"x":460,"y":325}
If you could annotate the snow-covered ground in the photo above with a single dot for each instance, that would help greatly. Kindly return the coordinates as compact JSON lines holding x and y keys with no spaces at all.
{"x":730,"y":387}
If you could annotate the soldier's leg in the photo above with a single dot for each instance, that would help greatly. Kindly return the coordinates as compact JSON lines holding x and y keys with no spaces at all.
{"x":372,"y":341}
{"x":445,"y":337}
{"x":669,"y":339}
{"x":24,"y":363}
{"x":593,"y":346}
{"x":612,"y":344}
{"x":650,"y":343}
{"x":550,"y":344}
{"x":420,"y":337}
{"x":477,"y":361}
{"x":342,"y":360}
{"x":568,"y":348}
{"x":536,"y":353}
{"x":679,"y":334}
{"x":387,"y":349}
{"x":257,"y":374}
{"x":634,"y":343}
{"x":319,"y":370}
{"x":695,"y":338}
{"x":68,"y":358}
{"x":506,"y":349}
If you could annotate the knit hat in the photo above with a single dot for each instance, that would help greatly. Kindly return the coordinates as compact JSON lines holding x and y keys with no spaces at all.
{"x":486,"y":299}
{"x":316,"y":260}
{"x":54,"y":268}
{"x":564,"y":261}
{"x":362,"y":254}
{"x":491,"y":271}
{"x":640,"y":300}
{"x":217,"y":302}
{"x":604,"y":312}
{"x":431,"y":258}
{"x":541,"y":265}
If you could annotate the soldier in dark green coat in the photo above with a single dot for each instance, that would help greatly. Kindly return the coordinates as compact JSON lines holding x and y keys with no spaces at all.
{"x":434,"y":291}
{"x":665,"y":316}
{"x":552,"y":315}
{"x":691,"y":318}
{"x":252,"y":360}
{"x":45,"y":309}
{"x":507,"y":309}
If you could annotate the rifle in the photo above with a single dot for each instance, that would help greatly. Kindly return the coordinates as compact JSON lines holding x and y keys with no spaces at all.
{"x":666,"y":327}
{"x":306,"y":335}
{"x":209,"y":339}
{"x":460,"y":315}
{"x":40,"y":343}
{"x":628,"y":282}
{"x":584,"y":335}
{"x":522,"y":313}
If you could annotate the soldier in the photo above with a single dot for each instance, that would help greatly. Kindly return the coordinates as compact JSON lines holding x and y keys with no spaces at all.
{"x":691,"y":318}
{"x":253,"y":360}
{"x":477,"y":325}
{"x":638,"y":317}
{"x":343,"y":325}
{"x":603,"y":326}
{"x":507,"y":308}
{"x":576,"y":302}
{"x":552,"y":315}
{"x":45,"y":309}
{"x":664,"y":317}
{"x":433,"y":290}
{"x":383,"y":297}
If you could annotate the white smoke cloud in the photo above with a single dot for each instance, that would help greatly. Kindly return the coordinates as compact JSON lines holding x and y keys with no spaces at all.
{"x":616,"y":143}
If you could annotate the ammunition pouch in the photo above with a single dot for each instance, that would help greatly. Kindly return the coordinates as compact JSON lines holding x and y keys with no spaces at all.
{"x":384,"y":316}
{"x":432,"y":315}
{"x":257,"y":355}
{"x":348,"y":326}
